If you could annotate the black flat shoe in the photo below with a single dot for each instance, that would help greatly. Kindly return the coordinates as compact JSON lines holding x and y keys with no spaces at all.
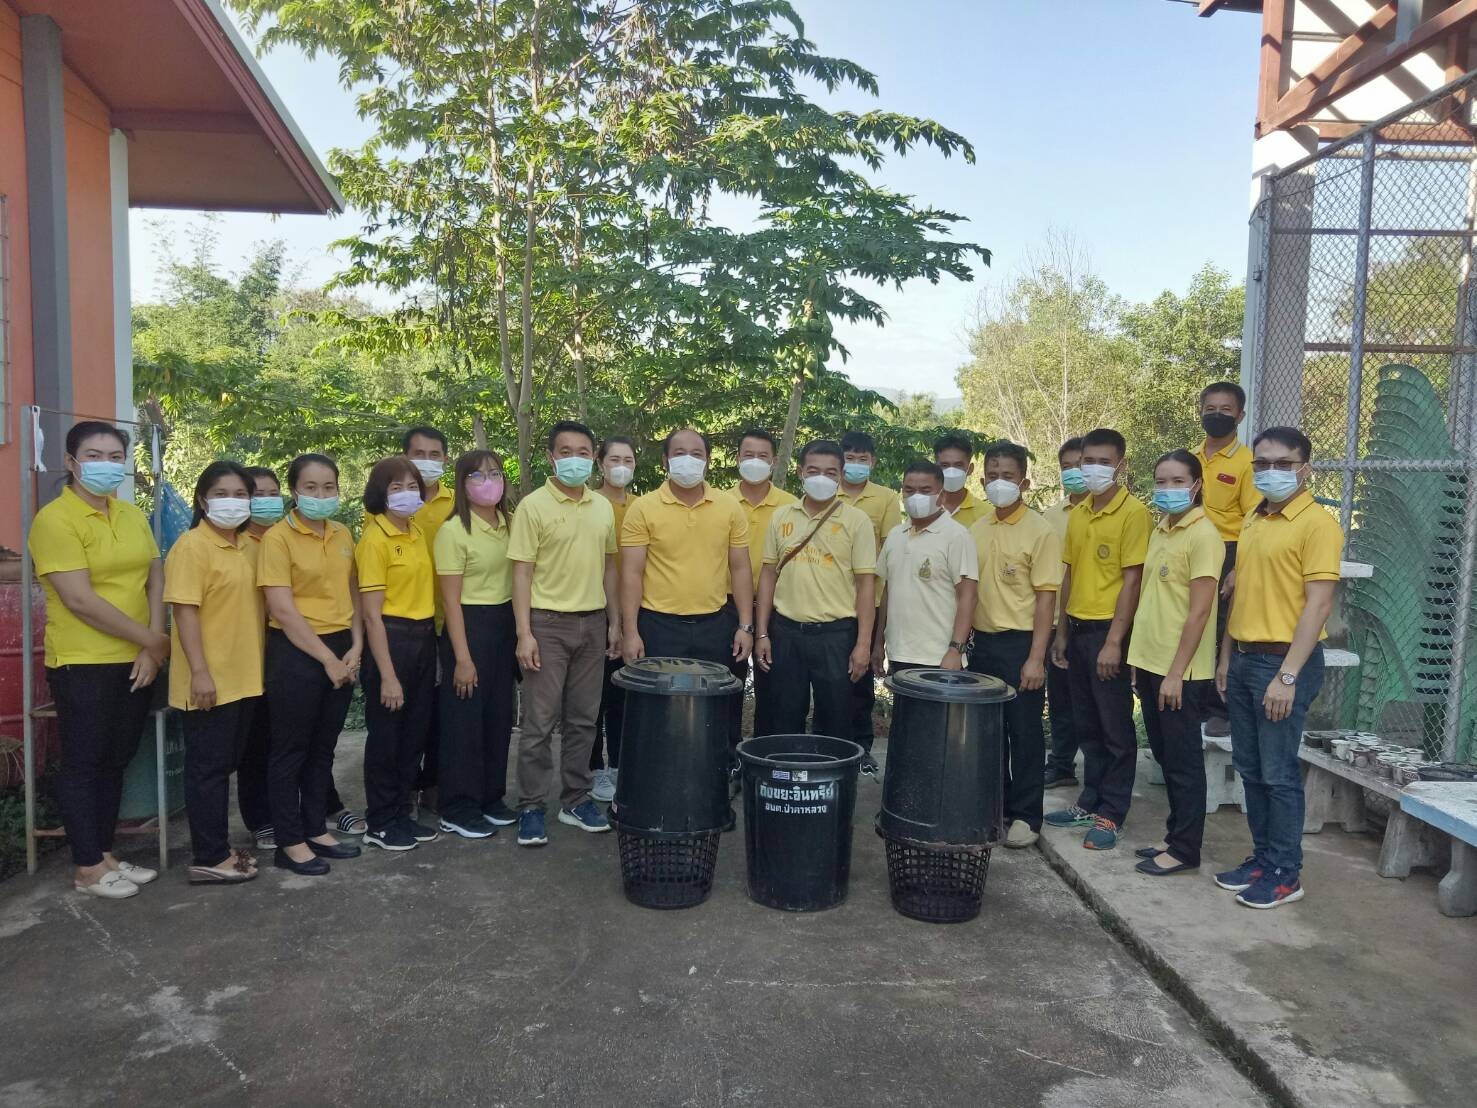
{"x":313,"y":867}
{"x":337,"y":850}
{"x":1154,"y":869}
{"x":1147,"y":852}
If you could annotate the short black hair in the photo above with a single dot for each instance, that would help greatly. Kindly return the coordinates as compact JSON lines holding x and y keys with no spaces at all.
{"x":212,"y":473}
{"x":1105,"y":436}
{"x":953,"y":441}
{"x":81,"y":432}
{"x":1004,"y":448}
{"x":260,"y":473}
{"x":1230,"y":388}
{"x":1072,"y":445}
{"x":667,"y":442}
{"x":303,"y":461}
{"x":829,"y":447}
{"x":612,"y":440}
{"x":1190,"y":462}
{"x":424,"y":432}
{"x":923,"y":465}
{"x":377,"y":484}
{"x":1289,"y":437}
{"x":858,"y":442}
{"x":569,"y":425}
{"x":760,"y":434}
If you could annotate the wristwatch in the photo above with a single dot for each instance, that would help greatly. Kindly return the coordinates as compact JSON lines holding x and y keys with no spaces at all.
{"x":746,"y":628}
{"x":1287,"y":678}
{"x":959,"y":646}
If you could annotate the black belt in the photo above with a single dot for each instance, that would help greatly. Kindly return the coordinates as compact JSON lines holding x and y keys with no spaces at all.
{"x":702,"y":618}
{"x":1278,"y":649}
{"x":1088,"y":624}
{"x":847,"y":623}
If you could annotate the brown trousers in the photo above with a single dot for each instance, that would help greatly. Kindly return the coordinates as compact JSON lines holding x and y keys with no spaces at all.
{"x":564,"y":691}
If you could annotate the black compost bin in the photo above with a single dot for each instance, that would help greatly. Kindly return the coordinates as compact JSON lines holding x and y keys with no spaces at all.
{"x":943,"y":797}
{"x":671,"y":797}
{"x":799,"y":796}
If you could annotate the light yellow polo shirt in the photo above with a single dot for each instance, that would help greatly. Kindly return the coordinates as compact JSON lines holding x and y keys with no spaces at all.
{"x":116,"y":548}
{"x":479,"y":557}
{"x":1191,"y":549}
{"x":1227,"y":487}
{"x":1057,"y":515}
{"x":878,"y":503}
{"x":1099,"y":547}
{"x":819,"y":584}
{"x":921,"y":569}
{"x":218,"y":577}
{"x":686,"y":549}
{"x":398,"y":564}
{"x":317,"y":570}
{"x":1280,"y":550}
{"x":758,"y":516}
{"x":1019,"y":556}
{"x":971,"y":510}
{"x":567,"y":540}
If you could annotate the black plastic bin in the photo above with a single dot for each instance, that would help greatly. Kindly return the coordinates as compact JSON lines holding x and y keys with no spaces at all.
{"x":943,"y":797}
{"x":671,"y":797}
{"x":799,"y":796}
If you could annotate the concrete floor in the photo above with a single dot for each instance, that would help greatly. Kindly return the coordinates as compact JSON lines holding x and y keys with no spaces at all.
{"x":483,"y":974}
{"x":1361,"y":993}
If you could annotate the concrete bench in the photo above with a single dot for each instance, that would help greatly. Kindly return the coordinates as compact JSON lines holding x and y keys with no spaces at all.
{"x":1449,"y":807}
{"x":1334,"y":793}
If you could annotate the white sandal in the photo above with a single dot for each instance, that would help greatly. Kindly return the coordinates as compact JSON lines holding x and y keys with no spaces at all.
{"x":138,"y":875}
{"x":110,"y":886}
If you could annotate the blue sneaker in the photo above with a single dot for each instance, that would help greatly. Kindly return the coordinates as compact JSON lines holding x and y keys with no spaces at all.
{"x":1069,"y":817}
{"x":1244,"y":876}
{"x":1275,"y":888}
{"x":586,"y":816}
{"x":1103,"y":836}
{"x":531,"y":831}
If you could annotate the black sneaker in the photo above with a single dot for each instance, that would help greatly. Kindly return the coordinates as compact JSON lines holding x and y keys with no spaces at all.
{"x":419,"y":831}
{"x":468,"y":829}
{"x":869,"y":765}
{"x":500,"y":815}
{"x":393,"y":837}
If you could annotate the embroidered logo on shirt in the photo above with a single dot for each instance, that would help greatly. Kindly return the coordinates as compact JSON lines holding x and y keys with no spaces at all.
{"x":787,"y":529}
{"x":1102,"y":551}
{"x":1009,"y":570}
{"x":1164,"y":570}
{"x":925,"y":571}
{"x":1226,"y":478}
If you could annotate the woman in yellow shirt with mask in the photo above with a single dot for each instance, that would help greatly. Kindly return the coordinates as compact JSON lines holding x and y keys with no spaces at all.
{"x":617,"y":460}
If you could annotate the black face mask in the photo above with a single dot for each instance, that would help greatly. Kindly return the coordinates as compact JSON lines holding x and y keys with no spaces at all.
{"x":1218,"y":424}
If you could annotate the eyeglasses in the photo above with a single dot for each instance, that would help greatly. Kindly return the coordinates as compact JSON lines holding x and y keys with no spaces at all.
{"x":479,"y":477}
{"x":1281,"y":467}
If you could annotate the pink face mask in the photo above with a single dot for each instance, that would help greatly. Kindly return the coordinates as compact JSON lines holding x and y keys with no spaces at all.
{"x":486,"y":492}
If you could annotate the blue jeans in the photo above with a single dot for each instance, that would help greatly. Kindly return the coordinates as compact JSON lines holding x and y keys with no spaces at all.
{"x":1265,"y":754}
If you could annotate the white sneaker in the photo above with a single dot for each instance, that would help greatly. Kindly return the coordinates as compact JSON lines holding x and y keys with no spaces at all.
{"x":603,"y":788}
{"x":138,"y":875}
{"x":110,"y":886}
{"x":1020,"y":835}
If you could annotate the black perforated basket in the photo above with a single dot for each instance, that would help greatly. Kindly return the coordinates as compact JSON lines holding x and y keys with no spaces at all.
{"x":935,"y":884}
{"x":666,"y":869}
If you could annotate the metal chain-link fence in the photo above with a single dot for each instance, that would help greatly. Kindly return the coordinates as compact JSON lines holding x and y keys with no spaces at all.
{"x":1365,"y":329}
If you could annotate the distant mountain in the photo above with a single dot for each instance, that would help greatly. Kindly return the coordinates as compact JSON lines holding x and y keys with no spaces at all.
{"x":944,"y":405}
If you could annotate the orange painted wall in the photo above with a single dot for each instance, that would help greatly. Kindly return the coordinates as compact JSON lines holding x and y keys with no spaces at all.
{"x":18,"y":306}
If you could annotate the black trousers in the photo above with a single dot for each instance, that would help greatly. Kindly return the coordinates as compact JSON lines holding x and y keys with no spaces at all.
{"x":708,"y":638}
{"x":1001,"y":654}
{"x":1215,"y":704}
{"x":1061,"y":760}
{"x":214,"y":740}
{"x":428,"y":773}
{"x":396,"y":740}
{"x":1103,"y":713}
{"x":251,"y":769}
{"x":863,"y":701}
{"x":474,"y":733}
{"x":100,"y":723}
{"x":811,"y":660}
{"x":306,"y":714}
{"x":1174,"y":737}
{"x":607,"y":748}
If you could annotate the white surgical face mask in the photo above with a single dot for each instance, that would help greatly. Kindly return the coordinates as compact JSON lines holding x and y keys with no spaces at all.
{"x":954,"y":479}
{"x":687,"y":470}
{"x":620,"y":476}
{"x":820,"y":487}
{"x":755,"y":470}
{"x":1098,"y":478}
{"x":920,"y":505}
{"x":228,"y":511}
{"x":1002,"y":493}
{"x":430,"y":469}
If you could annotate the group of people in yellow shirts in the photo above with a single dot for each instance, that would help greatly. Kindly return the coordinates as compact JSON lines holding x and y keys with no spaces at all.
{"x":457,"y":591}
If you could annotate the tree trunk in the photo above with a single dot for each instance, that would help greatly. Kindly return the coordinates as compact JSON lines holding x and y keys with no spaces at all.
{"x":530,"y":227}
{"x":499,"y":249}
{"x":792,"y":418}
{"x":582,"y":404}
{"x":479,"y":432}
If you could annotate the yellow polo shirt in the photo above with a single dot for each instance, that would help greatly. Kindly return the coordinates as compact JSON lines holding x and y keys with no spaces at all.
{"x":819,"y":584}
{"x":757,"y":516}
{"x":971,"y":510}
{"x":620,"y":508}
{"x":398,"y":564}
{"x":567,"y":540}
{"x":878,"y":503}
{"x":218,"y":577}
{"x":479,"y":557}
{"x":686,"y":549}
{"x":921,"y":569}
{"x":1227,"y":487}
{"x":434,"y":512}
{"x":1099,"y":547}
{"x":1019,"y":556}
{"x":1191,"y":549}
{"x":1057,"y":515}
{"x":316,"y":569}
{"x":117,"y":548}
{"x":1280,"y":550}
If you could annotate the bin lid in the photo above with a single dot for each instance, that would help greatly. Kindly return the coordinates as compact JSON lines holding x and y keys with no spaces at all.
{"x":953,"y":686}
{"x":677,"y":677}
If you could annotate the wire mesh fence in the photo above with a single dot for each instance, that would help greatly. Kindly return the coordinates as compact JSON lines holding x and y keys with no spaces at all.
{"x":1364,"y":332}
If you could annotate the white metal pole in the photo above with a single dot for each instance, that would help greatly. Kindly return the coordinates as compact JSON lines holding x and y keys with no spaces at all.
{"x":1356,"y":337}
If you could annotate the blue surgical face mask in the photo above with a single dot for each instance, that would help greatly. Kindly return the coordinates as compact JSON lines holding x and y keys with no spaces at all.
{"x":856,"y":473}
{"x":266,"y":509}
{"x":100,"y":478}
{"x":1276,"y":484}
{"x":573,"y":470}
{"x":1073,"y":481}
{"x":317,"y":507}
{"x":1173,"y":501}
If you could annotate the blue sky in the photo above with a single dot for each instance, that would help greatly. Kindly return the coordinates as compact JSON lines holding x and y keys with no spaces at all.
{"x":1125,"y":122}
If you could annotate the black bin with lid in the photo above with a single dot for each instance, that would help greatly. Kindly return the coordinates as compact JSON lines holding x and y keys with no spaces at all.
{"x":671,"y":798}
{"x":943,"y":797}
